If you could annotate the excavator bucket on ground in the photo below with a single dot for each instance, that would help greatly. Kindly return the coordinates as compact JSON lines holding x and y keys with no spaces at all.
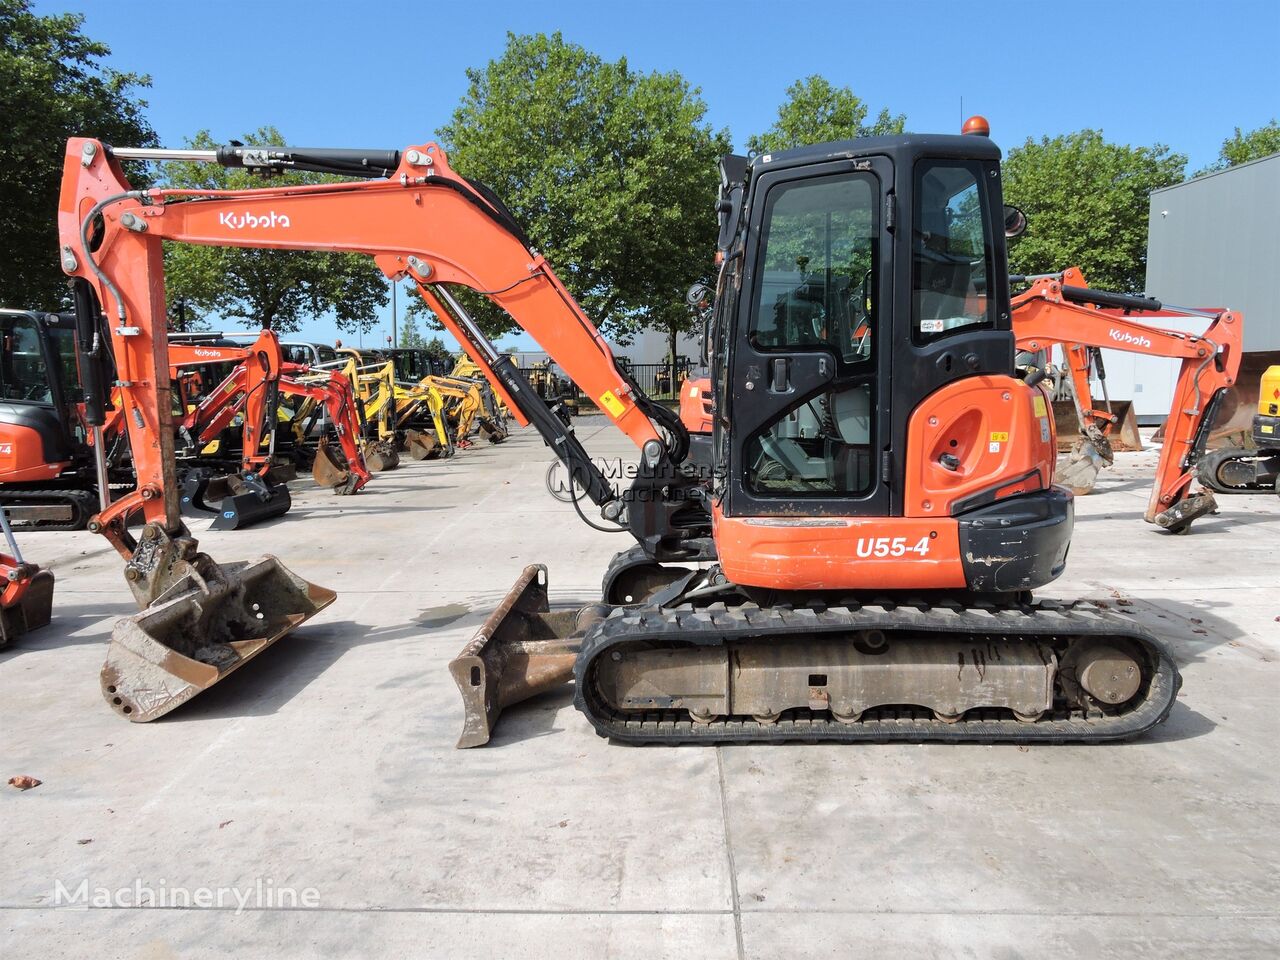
{"x":522,"y":650}
{"x":26,"y":594}
{"x":327,"y":472}
{"x":235,"y":501}
{"x":246,"y":499}
{"x":1123,"y":435}
{"x":420,"y":445}
{"x":380,"y":455}
{"x":209,"y":623}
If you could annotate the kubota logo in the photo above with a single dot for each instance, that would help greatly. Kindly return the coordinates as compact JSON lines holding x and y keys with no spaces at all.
{"x":251,"y":221}
{"x":207,"y":353}
{"x":1124,"y":336}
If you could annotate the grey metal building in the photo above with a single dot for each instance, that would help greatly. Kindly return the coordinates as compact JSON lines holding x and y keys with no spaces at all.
{"x":1213,"y":241}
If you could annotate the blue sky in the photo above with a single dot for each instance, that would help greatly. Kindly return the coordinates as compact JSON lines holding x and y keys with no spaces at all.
{"x":385,"y":75}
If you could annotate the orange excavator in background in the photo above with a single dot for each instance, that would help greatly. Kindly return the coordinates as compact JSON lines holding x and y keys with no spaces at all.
{"x":26,"y":596}
{"x":252,"y":391}
{"x":857,"y":566}
{"x":1061,"y":309}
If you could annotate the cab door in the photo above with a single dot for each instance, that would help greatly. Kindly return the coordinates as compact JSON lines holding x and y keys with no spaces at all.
{"x":808,"y":373}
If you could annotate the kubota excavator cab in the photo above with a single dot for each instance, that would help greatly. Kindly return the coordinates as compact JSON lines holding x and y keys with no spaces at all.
{"x":46,"y":468}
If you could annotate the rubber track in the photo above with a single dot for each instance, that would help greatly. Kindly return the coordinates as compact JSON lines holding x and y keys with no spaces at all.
{"x":718,"y":623}
{"x":84,"y":501}
{"x":1207,"y":470}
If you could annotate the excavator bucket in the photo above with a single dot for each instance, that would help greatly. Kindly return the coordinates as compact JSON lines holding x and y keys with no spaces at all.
{"x":200,"y":630}
{"x":1123,"y":435}
{"x":326,"y":471}
{"x":31,"y":607}
{"x":492,"y":431}
{"x":380,"y":455}
{"x":1079,"y":471}
{"x":420,"y":446}
{"x":246,"y":499}
{"x":235,"y":501}
{"x":522,"y":650}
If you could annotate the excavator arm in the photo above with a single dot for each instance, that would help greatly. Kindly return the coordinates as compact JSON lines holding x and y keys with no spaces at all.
{"x":1065,"y":311}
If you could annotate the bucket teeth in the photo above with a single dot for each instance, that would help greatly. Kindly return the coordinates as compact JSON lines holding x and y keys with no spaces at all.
{"x":205,"y":626}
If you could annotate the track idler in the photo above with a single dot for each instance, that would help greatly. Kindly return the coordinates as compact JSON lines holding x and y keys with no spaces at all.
{"x":522,"y":650}
{"x":201,"y":621}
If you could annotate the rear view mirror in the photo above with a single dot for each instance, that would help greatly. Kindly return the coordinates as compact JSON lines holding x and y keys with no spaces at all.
{"x":1015,"y":222}
{"x":698,"y":295}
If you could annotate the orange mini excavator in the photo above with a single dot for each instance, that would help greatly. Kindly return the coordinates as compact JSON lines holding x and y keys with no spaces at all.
{"x":252,"y":390}
{"x":1062,"y":309}
{"x":858,"y":563}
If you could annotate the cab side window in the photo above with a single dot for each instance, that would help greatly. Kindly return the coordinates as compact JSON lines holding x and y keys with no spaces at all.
{"x":951,"y":250}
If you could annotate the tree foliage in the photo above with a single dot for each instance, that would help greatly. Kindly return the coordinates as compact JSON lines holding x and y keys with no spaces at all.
{"x":410,"y":335}
{"x":1086,"y":202}
{"x":279,"y":289}
{"x":815,"y":111}
{"x":612,"y":172}
{"x":53,"y":85}
{"x":1241,"y":147}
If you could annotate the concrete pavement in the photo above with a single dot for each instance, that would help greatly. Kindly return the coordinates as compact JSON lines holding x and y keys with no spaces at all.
{"x":327,"y":768}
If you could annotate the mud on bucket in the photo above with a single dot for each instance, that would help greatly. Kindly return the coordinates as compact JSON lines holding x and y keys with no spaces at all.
{"x":200,"y":630}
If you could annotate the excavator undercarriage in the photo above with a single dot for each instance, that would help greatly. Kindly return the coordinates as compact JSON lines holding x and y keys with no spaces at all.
{"x":715,"y":666}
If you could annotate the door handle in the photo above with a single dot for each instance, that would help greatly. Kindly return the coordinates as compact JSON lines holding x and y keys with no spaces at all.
{"x":779,"y":381}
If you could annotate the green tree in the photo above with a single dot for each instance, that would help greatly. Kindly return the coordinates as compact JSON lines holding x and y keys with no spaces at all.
{"x":1242,"y":147}
{"x":612,"y":172}
{"x":410,"y":335}
{"x":1086,"y":201}
{"x":817,"y":112}
{"x":279,"y":289}
{"x":438,"y":351}
{"x":53,"y":85}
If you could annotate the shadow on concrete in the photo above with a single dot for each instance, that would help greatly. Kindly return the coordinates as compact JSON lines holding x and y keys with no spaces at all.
{"x":71,"y":618}
{"x":276,"y":676}
{"x":1183,"y":723}
{"x":530,"y":719}
{"x":1214,"y":523}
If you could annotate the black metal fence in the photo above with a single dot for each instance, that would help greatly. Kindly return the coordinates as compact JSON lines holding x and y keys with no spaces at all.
{"x":654,"y":379}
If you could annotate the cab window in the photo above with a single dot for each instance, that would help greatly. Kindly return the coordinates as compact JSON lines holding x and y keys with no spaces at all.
{"x":951,"y":250}
{"x":817,"y":272}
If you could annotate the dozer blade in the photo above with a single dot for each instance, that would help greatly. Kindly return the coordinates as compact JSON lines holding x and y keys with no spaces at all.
{"x":326,"y":472}
{"x":420,"y":446}
{"x":200,"y":630}
{"x":522,"y":650}
{"x":31,"y":610}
